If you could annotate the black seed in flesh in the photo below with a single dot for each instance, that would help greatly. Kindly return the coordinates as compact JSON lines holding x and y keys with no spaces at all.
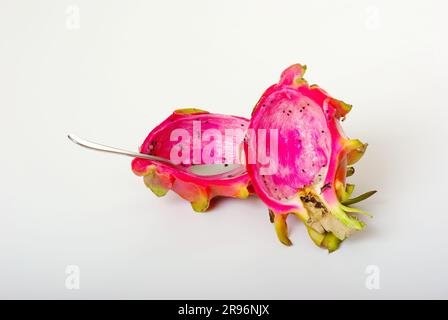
{"x":305,"y":199}
{"x":326,"y":186}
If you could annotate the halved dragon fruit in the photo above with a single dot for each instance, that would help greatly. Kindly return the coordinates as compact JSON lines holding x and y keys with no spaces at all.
{"x":195,"y":137}
{"x":307,"y":159}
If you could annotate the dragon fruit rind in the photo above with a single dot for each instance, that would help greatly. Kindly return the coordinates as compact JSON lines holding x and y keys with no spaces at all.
{"x":196,"y":125}
{"x":312,"y":158}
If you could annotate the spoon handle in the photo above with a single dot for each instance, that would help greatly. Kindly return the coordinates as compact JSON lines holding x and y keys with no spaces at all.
{"x":100,"y":147}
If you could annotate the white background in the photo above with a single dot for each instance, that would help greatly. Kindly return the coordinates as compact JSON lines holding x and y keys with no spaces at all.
{"x":131,"y":63}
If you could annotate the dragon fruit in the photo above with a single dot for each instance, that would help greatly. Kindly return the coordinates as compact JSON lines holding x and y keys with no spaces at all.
{"x":188,"y":148}
{"x":309,"y":159}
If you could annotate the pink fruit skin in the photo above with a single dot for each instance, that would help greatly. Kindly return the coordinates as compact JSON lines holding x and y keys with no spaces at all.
{"x":313,"y":154}
{"x":197,"y":189}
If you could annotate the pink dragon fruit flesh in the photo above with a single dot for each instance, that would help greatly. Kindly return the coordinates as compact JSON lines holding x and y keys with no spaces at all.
{"x":193,"y":137}
{"x":309,"y":159}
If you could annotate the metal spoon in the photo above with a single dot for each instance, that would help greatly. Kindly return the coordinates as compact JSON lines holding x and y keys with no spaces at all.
{"x":101,"y":147}
{"x":203,"y":170}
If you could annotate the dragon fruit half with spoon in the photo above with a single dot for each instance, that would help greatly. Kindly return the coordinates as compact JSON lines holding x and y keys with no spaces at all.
{"x":185,"y":138}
